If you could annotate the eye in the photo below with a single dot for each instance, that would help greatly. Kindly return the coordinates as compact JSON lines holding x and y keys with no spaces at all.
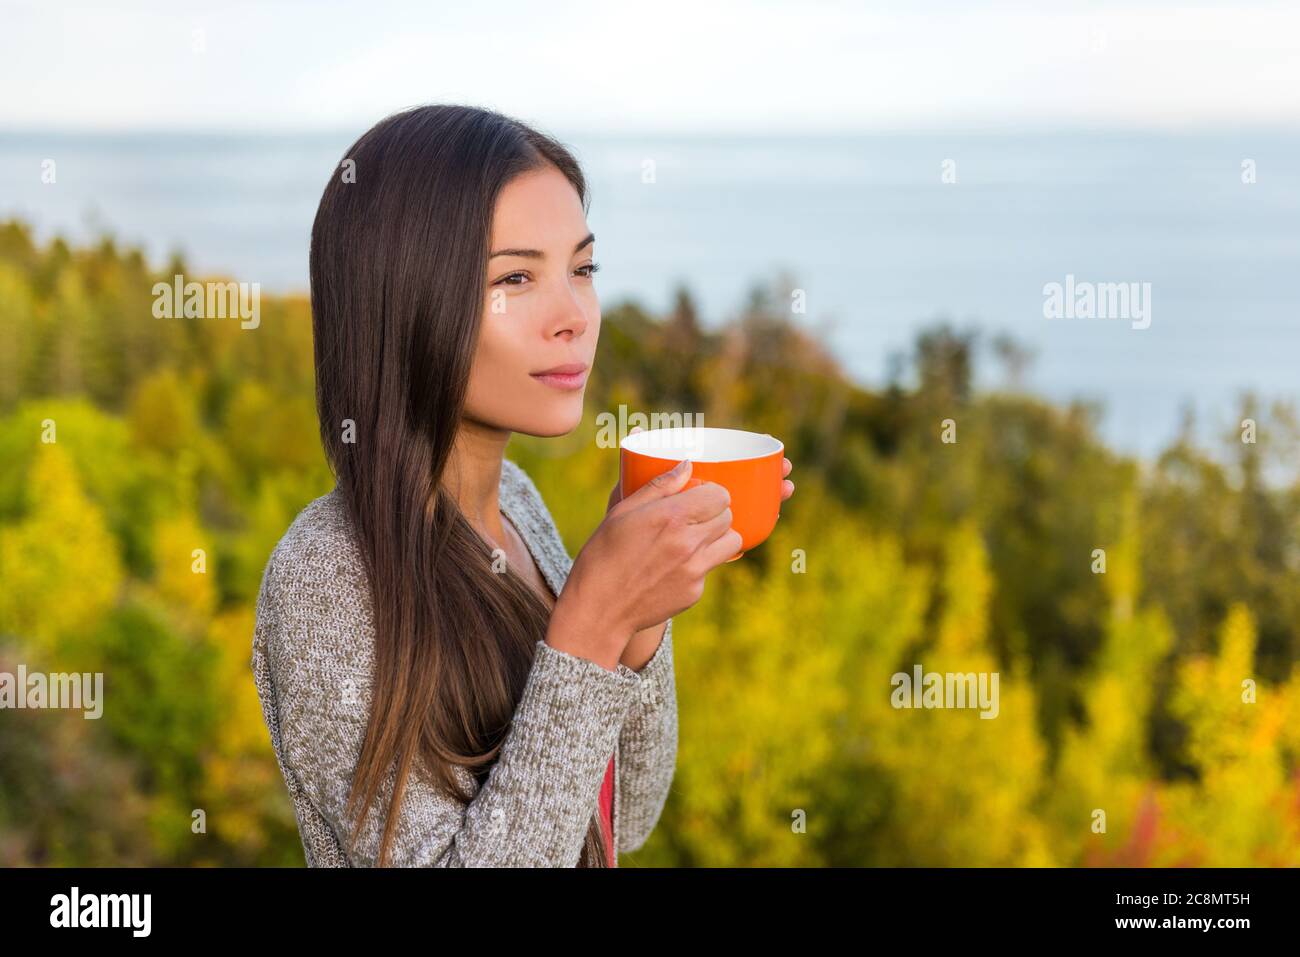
{"x":505,"y":280}
{"x":591,"y":270}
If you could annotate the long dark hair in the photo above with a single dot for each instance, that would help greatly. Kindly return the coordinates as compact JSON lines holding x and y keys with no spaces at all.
{"x":399,"y":252}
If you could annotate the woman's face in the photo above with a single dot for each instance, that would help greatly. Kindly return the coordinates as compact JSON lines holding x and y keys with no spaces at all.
{"x":541,"y":310}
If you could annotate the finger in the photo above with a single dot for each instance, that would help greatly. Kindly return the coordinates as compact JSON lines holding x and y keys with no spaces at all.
{"x":787,"y":489}
{"x":701,"y":503}
{"x":707,"y":532}
{"x":721,"y":549}
{"x":785,"y":467}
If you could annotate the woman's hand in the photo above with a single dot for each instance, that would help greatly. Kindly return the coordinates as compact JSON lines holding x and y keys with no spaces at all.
{"x":645,"y":642}
{"x":645,"y":563}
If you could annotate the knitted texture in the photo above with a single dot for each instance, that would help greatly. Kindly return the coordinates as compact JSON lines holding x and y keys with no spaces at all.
{"x":313,"y":664}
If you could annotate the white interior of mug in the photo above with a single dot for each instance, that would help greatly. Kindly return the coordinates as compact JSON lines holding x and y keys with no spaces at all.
{"x":700,"y":444}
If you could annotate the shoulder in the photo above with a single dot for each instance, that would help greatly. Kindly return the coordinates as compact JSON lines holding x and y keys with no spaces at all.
{"x":318,"y":549}
{"x":315,"y":586}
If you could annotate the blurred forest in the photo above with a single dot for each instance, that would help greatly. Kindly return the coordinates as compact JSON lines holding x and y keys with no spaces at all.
{"x":1163,"y":691}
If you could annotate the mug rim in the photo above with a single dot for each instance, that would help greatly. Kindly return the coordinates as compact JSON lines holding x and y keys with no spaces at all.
{"x":780,"y":446}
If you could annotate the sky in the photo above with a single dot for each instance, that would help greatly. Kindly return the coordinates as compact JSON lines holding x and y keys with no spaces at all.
{"x":690,"y":67}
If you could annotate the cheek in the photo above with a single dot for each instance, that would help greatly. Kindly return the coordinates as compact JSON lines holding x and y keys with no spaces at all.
{"x":500,"y":363}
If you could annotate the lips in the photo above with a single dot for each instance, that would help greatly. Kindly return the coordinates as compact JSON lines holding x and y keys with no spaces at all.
{"x":571,"y":368}
{"x":568,"y":377}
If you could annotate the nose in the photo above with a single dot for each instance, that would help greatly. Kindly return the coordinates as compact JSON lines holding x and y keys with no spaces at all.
{"x":569,"y":312}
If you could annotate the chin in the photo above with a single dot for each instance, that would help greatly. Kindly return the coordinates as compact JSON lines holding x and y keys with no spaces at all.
{"x":551,"y":423}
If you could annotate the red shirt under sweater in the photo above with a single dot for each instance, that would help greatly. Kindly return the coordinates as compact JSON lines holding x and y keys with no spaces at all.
{"x":607,"y":811}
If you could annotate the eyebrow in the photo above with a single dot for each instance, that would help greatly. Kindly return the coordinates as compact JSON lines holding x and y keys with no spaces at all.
{"x":537,"y":253}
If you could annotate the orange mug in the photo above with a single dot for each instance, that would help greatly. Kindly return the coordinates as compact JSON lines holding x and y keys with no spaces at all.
{"x":746,"y":464}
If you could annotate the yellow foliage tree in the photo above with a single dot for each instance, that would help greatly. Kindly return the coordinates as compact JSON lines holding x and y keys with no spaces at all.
{"x":1103,"y":792}
{"x":60,"y":562}
{"x":1242,"y":811}
{"x":163,"y":414}
{"x":242,"y":792}
{"x":965,"y":786}
{"x":184,"y":571}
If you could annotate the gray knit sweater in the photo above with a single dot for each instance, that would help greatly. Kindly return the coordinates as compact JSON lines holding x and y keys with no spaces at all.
{"x":313,"y":660}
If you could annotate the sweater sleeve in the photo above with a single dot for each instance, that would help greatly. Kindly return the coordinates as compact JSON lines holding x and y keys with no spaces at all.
{"x":648,"y":748}
{"x":539,"y":798}
{"x":648,"y":739}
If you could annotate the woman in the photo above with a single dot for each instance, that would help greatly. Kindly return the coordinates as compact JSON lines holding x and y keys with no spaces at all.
{"x":423,"y":639}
